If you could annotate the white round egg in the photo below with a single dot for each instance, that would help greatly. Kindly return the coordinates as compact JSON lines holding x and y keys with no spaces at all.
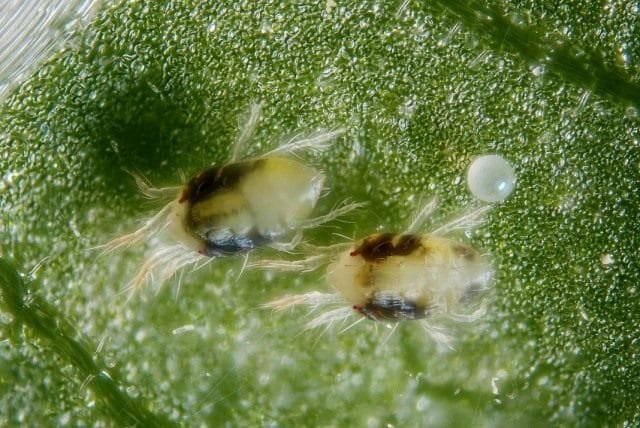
{"x":491,"y":178}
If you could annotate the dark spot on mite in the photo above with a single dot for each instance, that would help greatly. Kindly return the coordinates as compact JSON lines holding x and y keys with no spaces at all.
{"x":226,"y":242}
{"x":391,"y":308}
{"x":465,"y":252}
{"x":379,"y":247}
{"x":216,"y":178}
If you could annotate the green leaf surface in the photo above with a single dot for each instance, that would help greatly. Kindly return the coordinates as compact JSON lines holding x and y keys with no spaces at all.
{"x":422,"y":88}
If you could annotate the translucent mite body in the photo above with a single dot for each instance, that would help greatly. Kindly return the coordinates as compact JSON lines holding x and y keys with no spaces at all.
{"x":394,"y":276}
{"x":234,"y":208}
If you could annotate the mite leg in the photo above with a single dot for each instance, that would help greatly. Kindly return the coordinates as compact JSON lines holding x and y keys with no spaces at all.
{"x":315,"y":142}
{"x":332,"y":215}
{"x":439,"y":335}
{"x":472,"y":317}
{"x":422,"y":215}
{"x":321,"y":256}
{"x":328,"y":318}
{"x":164,"y":263}
{"x":247,"y":131}
{"x":151,"y":227}
{"x":308,"y":264}
{"x":287,"y":246}
{"x":313,"y":300}
{"x":154,"y":192}
{"x":470,"y":219}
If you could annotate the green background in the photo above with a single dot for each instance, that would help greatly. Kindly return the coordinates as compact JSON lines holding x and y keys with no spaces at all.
{"x":159,"y":88}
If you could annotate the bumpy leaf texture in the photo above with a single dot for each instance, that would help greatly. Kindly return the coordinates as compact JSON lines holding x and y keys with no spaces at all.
{"x":158,"y":87}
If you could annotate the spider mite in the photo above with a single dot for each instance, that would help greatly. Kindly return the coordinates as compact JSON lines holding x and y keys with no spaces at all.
{"x":233,"y":208}
{"x":410,"y":275}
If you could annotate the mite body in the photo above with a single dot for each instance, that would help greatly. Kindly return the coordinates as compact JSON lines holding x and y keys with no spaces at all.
{"x":239,"y":206}
{"x":234,"y":208}
{"x":395,"y":276}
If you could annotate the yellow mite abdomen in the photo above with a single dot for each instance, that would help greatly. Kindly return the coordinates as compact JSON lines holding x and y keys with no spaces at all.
{"x":281,"y":194}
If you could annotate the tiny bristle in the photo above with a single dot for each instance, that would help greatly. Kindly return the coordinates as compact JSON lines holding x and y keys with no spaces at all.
{"x":314,"y":299}
{"x":471,"y":317}
{"x":305,"y":265}
{"x":315,"y":142}
{"x":338,"y":211}
{"x":152,"y":226}
{"x":326,"y":319}
{"x":143,"y":185}
{"x":469,"y":220}
{"x":439,"y":335}
{"x":421,"y":216}
{"x":162,"y":265}
{"x":247,"y":130}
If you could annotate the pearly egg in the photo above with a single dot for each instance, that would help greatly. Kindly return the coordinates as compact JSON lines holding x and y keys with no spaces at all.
{"x":491,"y":178}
